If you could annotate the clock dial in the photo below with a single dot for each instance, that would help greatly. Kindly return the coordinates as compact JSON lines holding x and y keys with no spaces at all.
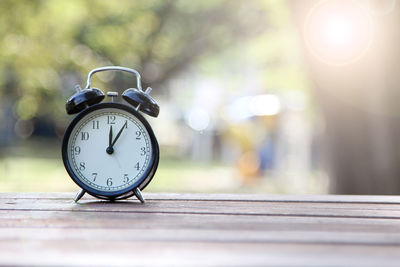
{"x":109,"y":150}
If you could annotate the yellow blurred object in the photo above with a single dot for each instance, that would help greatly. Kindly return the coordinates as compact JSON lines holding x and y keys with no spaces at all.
{"x":249,"y":165}
{"x":270,"y":122}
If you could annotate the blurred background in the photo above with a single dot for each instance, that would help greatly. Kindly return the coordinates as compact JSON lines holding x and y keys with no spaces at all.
{"x":256,"y":96}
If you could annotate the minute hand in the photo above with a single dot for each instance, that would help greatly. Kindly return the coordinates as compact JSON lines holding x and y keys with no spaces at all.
{"x":119,"y":133}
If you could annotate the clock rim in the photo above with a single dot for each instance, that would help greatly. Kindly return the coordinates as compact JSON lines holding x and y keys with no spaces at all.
{"x":145,"y":178}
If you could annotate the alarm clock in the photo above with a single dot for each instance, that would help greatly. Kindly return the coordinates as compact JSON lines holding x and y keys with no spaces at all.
{"x":109,"y":149}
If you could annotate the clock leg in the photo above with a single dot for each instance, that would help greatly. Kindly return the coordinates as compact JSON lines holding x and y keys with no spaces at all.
{"x":138,"y":194}
{"x":79,"y":195}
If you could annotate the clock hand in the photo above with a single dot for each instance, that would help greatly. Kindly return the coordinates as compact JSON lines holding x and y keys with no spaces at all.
{"x":119,"y":133}
{"x":110,"y":137}
{"x":110,"y":149}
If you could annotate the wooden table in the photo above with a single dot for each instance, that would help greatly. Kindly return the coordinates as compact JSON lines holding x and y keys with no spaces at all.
{"x":200,"y":229}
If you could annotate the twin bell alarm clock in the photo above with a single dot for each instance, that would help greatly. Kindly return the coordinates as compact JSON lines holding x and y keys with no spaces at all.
{"x":109,"y":149}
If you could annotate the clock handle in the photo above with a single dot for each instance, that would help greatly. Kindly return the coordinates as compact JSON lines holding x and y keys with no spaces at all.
{"x":117,"y":68}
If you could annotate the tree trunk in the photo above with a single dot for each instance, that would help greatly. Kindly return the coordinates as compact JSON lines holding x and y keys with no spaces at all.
{"x":359,"y":108}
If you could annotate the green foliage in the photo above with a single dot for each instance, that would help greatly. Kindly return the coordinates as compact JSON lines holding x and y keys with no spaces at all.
{"x":48,"y":46}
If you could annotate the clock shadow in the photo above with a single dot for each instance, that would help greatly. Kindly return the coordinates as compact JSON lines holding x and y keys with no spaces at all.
{"x":109,"y":202}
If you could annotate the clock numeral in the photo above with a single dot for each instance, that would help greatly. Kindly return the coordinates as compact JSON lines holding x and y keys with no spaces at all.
{"x":137,"y":166}
{"x":95,"y":125}
{"x":82,"y":166}
{"x":77,"y":150}
{"x":84,"y":136}
{"x":110,"y":119}
{"x":143,"y":151}
{"x":109,"y":182}
{"x":126,"y":178}
{"x":138,"y":135}
{"x":94,"y":174}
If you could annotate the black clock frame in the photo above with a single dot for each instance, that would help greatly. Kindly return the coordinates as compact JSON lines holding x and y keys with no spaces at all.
{"x":126,"y":192}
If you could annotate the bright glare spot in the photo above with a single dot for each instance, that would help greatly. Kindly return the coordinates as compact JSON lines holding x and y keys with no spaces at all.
{"x":239,"y":109}
{"x":198,"y":119}
{"x":339,"y":30}
{"x":250,"y":106}
{"x":265,"y":105}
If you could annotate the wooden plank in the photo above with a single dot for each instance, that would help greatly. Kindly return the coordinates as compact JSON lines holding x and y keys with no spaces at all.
{"x":227,"y":197}
{"x":95,"y":253}
{"x":60,"y":219}
{"x":200,"y":236}
{"x":295,"y":209}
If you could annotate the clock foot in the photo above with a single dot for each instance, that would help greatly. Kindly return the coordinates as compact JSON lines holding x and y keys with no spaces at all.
{"x":138,"y":194}
{"x":79,"y":195}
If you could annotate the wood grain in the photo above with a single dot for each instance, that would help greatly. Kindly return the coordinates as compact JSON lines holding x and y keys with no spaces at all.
{"x":200,"y":229}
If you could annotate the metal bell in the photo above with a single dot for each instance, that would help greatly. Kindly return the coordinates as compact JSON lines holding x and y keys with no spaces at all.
{"x":141,"y":101}
{"x":82,"y":99}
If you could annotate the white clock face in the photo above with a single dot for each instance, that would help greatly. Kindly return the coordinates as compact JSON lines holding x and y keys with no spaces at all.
{"x":109,"y":149}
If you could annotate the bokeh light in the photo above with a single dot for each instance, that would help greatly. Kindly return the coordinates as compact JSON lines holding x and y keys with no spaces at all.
{"x":249,"y":106}
{"x":198,"y":119}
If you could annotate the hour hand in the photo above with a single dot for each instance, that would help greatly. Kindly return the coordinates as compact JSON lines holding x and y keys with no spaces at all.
{"x":110,"y":149}
{"x":119,"y":133}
